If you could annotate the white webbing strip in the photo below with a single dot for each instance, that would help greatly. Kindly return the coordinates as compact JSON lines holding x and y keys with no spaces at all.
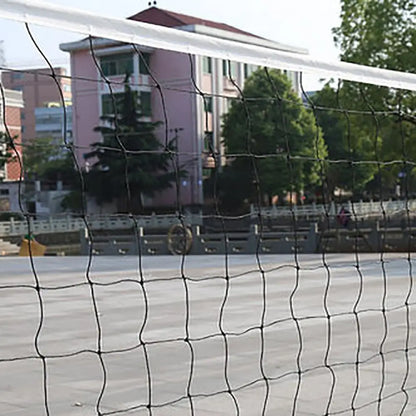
{"x":85,"y":23}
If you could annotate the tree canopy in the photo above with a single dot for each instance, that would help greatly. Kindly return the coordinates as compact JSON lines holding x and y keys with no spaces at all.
{"x":378,"y":33}
{"x":129,"y":157}
{"x":349,"y":140}
{"x":46,"y":161}
{"x":270,"y":123}
{"x":381,"y":34}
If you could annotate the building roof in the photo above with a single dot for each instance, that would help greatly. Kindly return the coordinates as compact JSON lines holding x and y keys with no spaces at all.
{"x":167,"y":18}
{"x":162,"y":17}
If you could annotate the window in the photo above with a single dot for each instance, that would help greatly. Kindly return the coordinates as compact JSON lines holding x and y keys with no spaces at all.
{"x":208,"y":104}
{"x":208,"y":141}
{"x":292,"y":77}
{"x":4,"y":192}
{"x":249,"y":69}
{"x":228,"y":103}
{"x":146,"y":103}
{"x":227,"y":66}
{"x":119,"y":64}
{"x":207,"y":65}
{"x":144,"y":63}
{"x":107,"y":103}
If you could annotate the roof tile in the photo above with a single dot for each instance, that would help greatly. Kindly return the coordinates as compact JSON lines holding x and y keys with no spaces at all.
{"x":162,"y":17}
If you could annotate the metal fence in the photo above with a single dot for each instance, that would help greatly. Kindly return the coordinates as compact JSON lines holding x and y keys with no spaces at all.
{"x":105,"y":222}
{"x":112,"y":222}
{"x":360,"y":209}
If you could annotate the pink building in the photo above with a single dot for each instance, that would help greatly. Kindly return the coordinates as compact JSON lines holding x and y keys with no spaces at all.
{"x":197,"y":124}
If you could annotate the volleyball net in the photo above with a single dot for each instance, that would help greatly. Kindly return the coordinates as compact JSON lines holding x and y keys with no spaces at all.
{"x":200,"y":122}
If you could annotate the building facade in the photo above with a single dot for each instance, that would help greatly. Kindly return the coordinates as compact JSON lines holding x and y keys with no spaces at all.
{"x":52,"y":122}
{"x":39,"y":89}
{"x":194,"y":118}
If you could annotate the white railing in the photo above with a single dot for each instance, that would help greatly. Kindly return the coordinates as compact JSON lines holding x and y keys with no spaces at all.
{"x":108,"y":222}
{"x":360,"y":209}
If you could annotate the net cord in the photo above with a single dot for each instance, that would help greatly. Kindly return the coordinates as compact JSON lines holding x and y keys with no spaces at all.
{"x":262,"y":274}
{"x":218,"y":214}
{"x":325,"y":264}
{"x":73,"y":20}
{"x":404,"y":388}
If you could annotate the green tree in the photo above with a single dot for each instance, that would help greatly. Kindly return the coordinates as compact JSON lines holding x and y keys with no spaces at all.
{"x":348,"y":141}
{"x":382,"y":34}
{"x":47,"y":162}
{"x":272,"y":124}
{"x":130,"y":158}
{"x":378,"y":33}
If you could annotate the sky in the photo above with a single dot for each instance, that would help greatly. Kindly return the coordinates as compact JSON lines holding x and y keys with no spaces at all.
{"x":302,"y":23}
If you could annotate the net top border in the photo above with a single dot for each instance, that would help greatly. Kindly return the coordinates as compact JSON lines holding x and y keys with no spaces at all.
{"x":154,"y":36}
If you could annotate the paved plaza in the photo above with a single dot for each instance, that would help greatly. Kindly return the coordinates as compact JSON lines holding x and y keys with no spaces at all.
{"x":208,"y":335}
